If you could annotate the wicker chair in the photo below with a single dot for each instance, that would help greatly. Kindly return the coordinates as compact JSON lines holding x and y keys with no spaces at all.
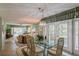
{"x":57,"y":51}
{"x":32,"y":49}
{"x":19,"y":41}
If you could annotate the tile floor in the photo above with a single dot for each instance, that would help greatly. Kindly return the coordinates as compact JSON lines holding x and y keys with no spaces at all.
{"x":10,"y":48}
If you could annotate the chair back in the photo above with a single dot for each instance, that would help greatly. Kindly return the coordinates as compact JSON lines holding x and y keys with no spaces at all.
{"x":60,"y":45}
{"x":19,"y":38}
{"x":30,"y":45}
{"x":24,"y":40}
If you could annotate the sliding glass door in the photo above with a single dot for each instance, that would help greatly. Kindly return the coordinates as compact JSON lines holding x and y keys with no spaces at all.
{"x":62,"y":31}
{"x":51,"y":33}
{"x":59,"y":29}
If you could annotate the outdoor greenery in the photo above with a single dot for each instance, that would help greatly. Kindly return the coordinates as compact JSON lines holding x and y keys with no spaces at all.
{"x":8,"y":29}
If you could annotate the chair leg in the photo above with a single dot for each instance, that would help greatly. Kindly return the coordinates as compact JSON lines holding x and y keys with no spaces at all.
{"x":47,"y":53}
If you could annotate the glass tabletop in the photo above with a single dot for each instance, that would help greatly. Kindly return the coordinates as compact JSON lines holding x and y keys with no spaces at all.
{"x":46,"y":45}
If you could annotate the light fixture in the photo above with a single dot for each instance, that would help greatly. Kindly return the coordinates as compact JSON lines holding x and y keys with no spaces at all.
{"x":42,"y":10}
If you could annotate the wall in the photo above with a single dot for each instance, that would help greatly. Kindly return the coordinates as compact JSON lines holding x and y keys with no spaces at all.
{"x":0,"y":33}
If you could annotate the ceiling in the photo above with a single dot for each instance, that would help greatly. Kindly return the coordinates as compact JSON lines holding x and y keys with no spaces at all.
{"x":29,"y":12}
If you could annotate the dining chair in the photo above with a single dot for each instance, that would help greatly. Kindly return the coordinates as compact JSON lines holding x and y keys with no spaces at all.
{"x":21,"y":47}
{"x":57,"y":51}
{"x":32,"y":48}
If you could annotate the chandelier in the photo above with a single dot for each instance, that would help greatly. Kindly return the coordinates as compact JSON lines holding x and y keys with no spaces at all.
{"x":42,"y":10}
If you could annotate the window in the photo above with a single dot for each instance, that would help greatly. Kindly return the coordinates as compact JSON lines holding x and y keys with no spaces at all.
{"x":58,"y":29}
{"x":51,"y":33}
{"x":19,"y":30}
{"x":62,"y":32}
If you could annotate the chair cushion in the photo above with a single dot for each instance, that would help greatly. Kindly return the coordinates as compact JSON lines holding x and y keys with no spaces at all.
{"x":54,"y":49}
{"x":39,"y":49}
{"x":53,"y":52}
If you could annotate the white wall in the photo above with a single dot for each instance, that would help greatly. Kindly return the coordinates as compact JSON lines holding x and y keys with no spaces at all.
{"x":2,"y":33}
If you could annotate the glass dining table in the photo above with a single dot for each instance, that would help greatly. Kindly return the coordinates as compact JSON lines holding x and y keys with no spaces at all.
{"x":46,"y":45}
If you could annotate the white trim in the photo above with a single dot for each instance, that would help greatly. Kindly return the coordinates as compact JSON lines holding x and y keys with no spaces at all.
{"x":76,"y":51}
